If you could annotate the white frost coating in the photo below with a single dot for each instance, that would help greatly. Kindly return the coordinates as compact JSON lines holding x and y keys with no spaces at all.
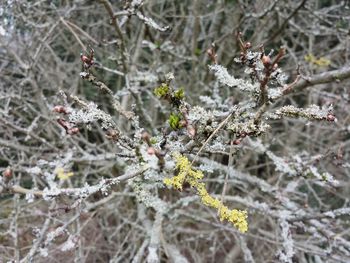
{"x":225,"y":78}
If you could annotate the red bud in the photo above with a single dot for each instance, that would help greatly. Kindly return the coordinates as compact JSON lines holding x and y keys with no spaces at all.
{"x":7,"y":173}
{"x":73,"y":131}
{"x":85,"y":59}
{"x":247,"y":45}
{"x":330,"y":117}
{"x":266,"y":60}
{"x":60,"y":109}
{"x":151,"y":151}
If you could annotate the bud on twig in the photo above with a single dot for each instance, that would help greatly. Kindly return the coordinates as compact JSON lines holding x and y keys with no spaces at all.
{"x":7,"y":173}
{"x":60,"y":109}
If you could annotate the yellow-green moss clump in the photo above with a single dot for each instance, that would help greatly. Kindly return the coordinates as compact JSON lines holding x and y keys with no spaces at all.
{"x":187,"y":174}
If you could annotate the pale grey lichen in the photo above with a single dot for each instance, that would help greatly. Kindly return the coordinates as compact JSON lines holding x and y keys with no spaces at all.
{"x":90,"y":114}
{"x":248,"y":127}
{"x":313,"y":112}
{"x":225,"y":78}
{"x":287,"y":253}
{"x":324,"y":177}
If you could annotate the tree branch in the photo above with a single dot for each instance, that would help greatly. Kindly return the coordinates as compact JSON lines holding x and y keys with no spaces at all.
{"x":325,"y":77}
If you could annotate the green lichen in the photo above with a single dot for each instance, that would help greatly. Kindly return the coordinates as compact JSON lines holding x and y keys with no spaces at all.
{"x":174,"y":121}
{"x":153,"y":140}
{"x":197,"y":52}
{"x":161,"y":91}
{"x":179,"y":94}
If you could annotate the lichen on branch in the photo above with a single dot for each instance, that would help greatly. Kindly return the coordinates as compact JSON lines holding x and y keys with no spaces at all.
{"x":186,"y":174}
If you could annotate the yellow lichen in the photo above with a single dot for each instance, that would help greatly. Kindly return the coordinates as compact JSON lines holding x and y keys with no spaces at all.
{"x":189,"y":175}
{"x":321,"y":62}
{"x":61,"y":174}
